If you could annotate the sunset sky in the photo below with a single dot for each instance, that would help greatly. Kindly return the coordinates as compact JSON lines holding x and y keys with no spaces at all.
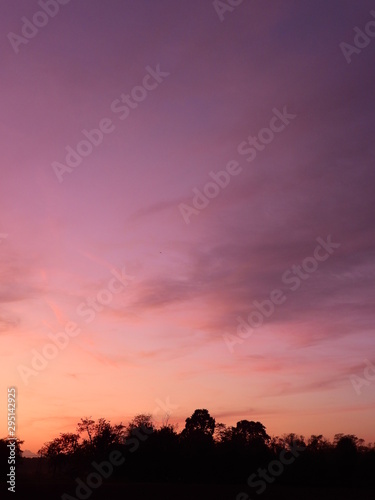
{"x":217,"y":79}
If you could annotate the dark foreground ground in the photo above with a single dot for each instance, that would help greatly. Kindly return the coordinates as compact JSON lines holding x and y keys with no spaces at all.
{"x":112,"y":491}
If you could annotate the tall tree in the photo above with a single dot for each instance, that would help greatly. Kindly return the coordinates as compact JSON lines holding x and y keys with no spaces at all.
{"x":200,"y":422}
{"x":86,"y":425}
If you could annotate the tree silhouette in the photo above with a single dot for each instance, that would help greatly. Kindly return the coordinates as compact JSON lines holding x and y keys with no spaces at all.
{"x":250,"y":433}
{"x":206,"y":452}
{"x":223,"y":434}
{"x":86,"y":425}
{"x":107,"y":435}
{"x":317,"y":443}
{"x":59,"y":449}
{"x":140,"y":422}
{"x":200,"y":422}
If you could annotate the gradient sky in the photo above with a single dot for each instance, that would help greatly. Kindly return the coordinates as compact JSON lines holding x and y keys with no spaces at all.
{"x":162,"y":336}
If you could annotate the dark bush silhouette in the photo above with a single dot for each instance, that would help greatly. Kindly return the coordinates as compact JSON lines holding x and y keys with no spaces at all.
{"x":206,"y":451}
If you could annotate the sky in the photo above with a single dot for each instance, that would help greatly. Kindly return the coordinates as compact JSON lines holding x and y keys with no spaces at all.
{"x":235,"y":145}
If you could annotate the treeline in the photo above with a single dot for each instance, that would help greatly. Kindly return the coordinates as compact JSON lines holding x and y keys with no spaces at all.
{"x":206,"y":451}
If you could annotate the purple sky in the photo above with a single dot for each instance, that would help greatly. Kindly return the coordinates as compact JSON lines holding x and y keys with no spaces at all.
{"x":163,"y":336}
